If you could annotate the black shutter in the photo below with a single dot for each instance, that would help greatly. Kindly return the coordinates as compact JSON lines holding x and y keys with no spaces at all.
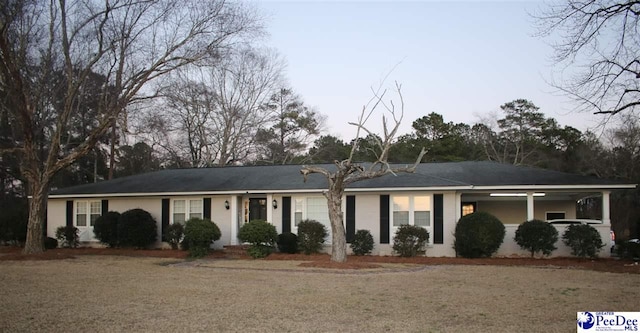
{"x":286,"y":214}
{"x":438,"y":217}
{"x":69,"y":213}
{"x":206,"y":209}
{"x":351,"y":218}
{"x":105,"y":207}
{"x":165,"y":217}
{"x":384,"y":219}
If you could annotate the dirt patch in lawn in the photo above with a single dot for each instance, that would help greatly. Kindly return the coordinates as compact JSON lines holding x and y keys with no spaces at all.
{"x":613,"y":265}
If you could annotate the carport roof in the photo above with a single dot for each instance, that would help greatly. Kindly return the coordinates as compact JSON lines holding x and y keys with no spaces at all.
{"x":287,"y":178}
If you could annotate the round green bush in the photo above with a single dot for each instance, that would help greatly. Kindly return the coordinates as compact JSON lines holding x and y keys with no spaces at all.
{"x":478,"y":234}
{"x":261,"y":235}
{"x":410,"y":240}
{"x":50,"y":243}
{"x":537,"y":236}
{"x":198,"y":236}
{"x":311,"y":236}
{"x":583,"y":240}
{"x":173,"y":234}
{"x":68,"y":236}
{"x":288,"y":242}
{"x":362,"y":243}
{"x":137,"y":228}
{"x":106,"y":228}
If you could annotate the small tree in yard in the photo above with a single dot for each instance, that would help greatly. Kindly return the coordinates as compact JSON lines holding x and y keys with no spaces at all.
{"x":174,"y":234}
{"x":199,"y":234}
{"x":106,"y":228}
{"x":349,"y":171}
{"x":68,"y":236}
{"x":410,"y":240}
{"x":537,"y":236}
{"x":311,"y":236}
{"x":362,"y":243}
{"x":261,"y":234}
{"x":583,"y":239}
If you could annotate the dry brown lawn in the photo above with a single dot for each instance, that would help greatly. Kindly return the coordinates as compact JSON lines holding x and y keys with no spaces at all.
{"x":117,"y":294}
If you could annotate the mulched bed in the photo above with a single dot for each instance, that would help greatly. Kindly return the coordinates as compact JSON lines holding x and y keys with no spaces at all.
{"x":354,"y":262}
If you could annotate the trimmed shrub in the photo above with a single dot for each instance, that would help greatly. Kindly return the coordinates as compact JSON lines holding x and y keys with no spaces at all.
{"x":537,"y":236}
{"x":198,"y":236}
{"x":362,"y":243}
{"x":137,"y":228}
{"x":477,"y":235}
{"x":311,"y":236}
{"x":68,"y":236}
{"x":628,"y":250}
{"x":106,"y":228}
{"x":173,"y":234}
{"x":50,"y":243}
{"x":583,"y":240}
{"x":261,"y":234}
{"x":288,"y":242}
{"x":410,"y":240}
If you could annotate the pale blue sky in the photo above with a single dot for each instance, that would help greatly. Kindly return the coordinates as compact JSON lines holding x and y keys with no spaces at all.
{"x":459,"y":59}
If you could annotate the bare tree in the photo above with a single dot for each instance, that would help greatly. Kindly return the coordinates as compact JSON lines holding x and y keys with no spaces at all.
{"x":214,"y":109}
{"x":348,"y":171}
{"x":600,"y":46}
{"x":128,"y":42}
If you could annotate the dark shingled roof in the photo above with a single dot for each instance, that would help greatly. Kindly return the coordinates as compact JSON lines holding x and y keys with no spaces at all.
{"x":288,"y":177}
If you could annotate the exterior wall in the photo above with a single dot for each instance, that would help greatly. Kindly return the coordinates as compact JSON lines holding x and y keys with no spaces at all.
{"x":222,"y":218}
{"x":510,"y":248}
{"x":56,"y":215}
{"x":515,"y":212}
{"x":367,"y":217}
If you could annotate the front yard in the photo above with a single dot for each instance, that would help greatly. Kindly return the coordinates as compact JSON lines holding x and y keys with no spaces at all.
{"x":117,"y":293}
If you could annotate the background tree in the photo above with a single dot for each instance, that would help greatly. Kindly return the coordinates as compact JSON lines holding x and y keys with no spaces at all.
{"x":598,"y":47}
{"x":136,"y":159}
{"x":214,"y":110}
{"x":128,"y":43}
{"x":294,"y":125}
{"x":327,"y":149}
{"x":349,"y":171}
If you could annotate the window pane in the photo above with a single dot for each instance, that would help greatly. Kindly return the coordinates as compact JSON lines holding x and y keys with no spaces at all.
{"x":401,"y":203}
{"x":195,"y":206}
{"x":468,"y":208}
{"x":178,"y":206}
{"x":96,"y":207}
{"x":198,"y":215}
{"x":421,"y":203}
{"x":421,"y":219}
{"x":94,"y":217}
{"x":400,"y":218}
{"x":81,"y":220}
{"x":81,"y":207}
{"x":297,"y":218}
{"x":178,"y":217}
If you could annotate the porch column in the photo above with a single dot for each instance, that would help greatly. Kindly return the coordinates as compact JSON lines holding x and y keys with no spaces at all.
{"x":606,"y":212}
{"x":234,"y":219}
{"x":530,"y":206}
{"x":458,"y":206}
{"x":270,"y":208}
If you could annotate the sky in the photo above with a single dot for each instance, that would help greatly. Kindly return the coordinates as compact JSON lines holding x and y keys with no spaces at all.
{"x":461,"y":59}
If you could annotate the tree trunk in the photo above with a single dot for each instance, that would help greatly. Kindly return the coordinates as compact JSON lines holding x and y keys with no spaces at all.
{"x":338,"y":235}
{"x":112,"y":149}
{"x":37,"y":209}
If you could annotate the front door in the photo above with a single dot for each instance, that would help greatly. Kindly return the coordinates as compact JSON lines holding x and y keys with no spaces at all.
{"x":257,"y":209}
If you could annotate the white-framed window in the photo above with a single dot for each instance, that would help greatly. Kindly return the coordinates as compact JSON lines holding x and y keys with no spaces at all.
{"x":185,"y":209}
{"x":311,"y":208}
{"x":412,"y":210}
{"x":87,"y":212}
{"x":555,"y":215}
